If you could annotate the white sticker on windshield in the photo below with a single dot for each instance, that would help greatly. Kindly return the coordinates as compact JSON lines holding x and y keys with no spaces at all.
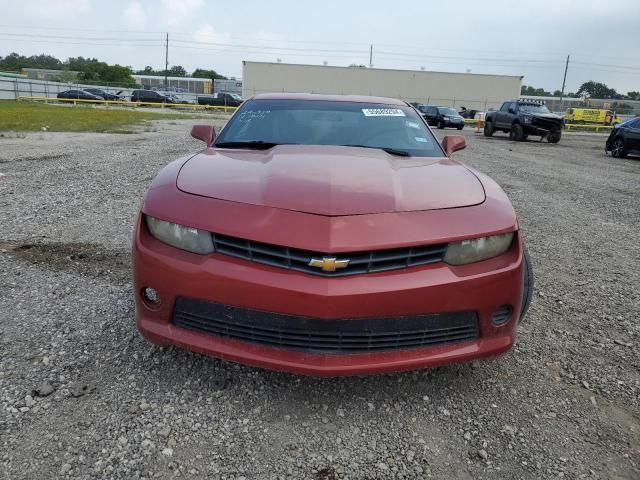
{"x":383,"y":112}
{"x":421,"y":139}
{"x":412,"y":124}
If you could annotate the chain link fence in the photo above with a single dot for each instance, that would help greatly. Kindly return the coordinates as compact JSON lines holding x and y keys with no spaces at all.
{"x":11,"y":88}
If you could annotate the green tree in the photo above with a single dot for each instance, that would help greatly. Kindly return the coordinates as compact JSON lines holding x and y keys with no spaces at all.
{"x":149,"y":71}
{"x":531,"y":91}
{"x":621,"y":108}
{"x":91,"y":70}
{"x":177,"y":71}
{"x":15,"y":62}
{"x":212,"y":74}
{"x":596,"y":90}
{"x":633,"y":95}
{"x":66,"y":76}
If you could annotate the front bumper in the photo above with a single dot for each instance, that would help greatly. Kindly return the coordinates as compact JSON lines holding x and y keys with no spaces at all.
{"x":454,"y":123}
{"x":542,"y":129}
{"x":432,"y":289}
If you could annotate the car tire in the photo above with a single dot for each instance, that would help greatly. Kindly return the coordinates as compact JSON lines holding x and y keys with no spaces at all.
{"x":441,"y":125}
{"x":488,"y":128}
{"x":460,"y":128}
{"x":554,"y":137}
{"x":527,"y":291}
{"x":617,"y":149}
{"x":516,"y":133}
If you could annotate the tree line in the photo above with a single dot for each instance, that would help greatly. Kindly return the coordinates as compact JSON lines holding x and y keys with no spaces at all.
{"x":588,"y":89}
{"x":92,"y":70}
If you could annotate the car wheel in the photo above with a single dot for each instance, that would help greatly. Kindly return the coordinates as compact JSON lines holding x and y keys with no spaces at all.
{"x":488,"y":128}
{"x":460,"y":128}
{"x":554,"y":137}
{"x":516,"y":133}
{"x":617,"y":150}
{"x":527,"y":292}
{"x":441,"y":125}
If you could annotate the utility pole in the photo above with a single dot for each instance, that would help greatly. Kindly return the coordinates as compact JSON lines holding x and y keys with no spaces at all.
{"x":166,"y":61}
{"x":371,"y":56}
{"x":564,"y":80}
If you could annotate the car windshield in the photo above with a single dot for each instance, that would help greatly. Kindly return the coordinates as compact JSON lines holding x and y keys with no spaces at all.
{"x":263,"y":123}
{"x":533,"y":108}
{"x":447,"y":111}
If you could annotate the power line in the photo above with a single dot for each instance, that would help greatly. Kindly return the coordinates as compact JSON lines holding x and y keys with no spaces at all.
{"x":85,"y":43}
{"x":284,"y":49}
{"x":65,"y":37}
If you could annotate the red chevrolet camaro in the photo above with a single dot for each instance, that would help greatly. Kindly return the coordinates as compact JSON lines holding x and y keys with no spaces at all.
{"x":329,"y":235}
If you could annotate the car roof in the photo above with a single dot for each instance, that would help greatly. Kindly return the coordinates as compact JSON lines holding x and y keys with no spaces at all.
{"x":329,"y":98}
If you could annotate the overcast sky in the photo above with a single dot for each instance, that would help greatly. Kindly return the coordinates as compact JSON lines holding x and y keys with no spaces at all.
{"x":482,"y":36}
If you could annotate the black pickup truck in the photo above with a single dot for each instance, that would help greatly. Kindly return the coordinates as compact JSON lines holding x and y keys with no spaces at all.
{"x":221,"y":99}
{"x":521,"y":118}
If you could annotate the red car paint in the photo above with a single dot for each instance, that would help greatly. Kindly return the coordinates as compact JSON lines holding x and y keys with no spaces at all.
{"x":329,"y":206}
{"x":323,"y":183}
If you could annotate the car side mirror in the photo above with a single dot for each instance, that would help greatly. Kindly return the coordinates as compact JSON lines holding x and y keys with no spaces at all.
{"x":206,"y":133}
{"x":453,"y":143}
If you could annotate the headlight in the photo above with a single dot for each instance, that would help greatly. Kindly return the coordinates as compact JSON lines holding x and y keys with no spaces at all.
{"x":477,"y":249}
{"x":179,"y":236}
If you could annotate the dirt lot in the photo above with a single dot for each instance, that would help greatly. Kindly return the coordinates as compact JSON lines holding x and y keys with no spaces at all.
{"x":82,"y":395}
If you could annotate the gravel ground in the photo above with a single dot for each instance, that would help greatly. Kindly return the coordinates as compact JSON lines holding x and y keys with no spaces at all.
{"x":82,"y":395}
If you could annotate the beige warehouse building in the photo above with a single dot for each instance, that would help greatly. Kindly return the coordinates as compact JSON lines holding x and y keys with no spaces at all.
{"x":474,"y":91}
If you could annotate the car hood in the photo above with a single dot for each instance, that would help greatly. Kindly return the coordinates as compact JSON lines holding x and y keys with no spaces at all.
{"x":331,"y":181}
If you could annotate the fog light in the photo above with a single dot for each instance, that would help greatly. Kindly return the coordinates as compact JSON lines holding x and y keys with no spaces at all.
{"x":502,"y":315}
{"x":151,"y":296}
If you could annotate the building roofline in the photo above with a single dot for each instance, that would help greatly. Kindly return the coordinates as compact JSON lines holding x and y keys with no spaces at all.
{"x":161,"y":77}
{"x":244,"y":62}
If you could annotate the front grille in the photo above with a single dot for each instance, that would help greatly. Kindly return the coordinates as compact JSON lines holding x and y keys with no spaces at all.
{"x":324,"y":336}
{"x":297,"y":259}
{"x":546,"y":124}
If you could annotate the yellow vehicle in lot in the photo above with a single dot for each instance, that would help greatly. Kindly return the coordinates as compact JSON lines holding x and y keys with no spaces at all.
{"x":595,"y":116}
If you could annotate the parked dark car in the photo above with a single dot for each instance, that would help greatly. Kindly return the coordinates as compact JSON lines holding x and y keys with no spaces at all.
{"x":101,"y":93}
{"x":221,"y":99}
{"x":523,"y":118}
{"x":78,"y":95}
{"x":150,"y":96}
{"x":624,"y":139}
{"x":441,"y":116}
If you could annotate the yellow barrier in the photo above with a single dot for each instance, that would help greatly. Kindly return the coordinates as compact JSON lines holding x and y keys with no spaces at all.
{"x":568,"y":126}
{"x":77,"y":101}
{"x":578,"y":126}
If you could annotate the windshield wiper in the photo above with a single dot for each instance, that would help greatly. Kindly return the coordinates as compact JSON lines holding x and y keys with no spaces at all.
{"x":390,"y":151}
{"x":254,"y":144}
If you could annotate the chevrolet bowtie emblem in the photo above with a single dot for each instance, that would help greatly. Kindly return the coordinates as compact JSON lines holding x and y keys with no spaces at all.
{"x":328,"y":264}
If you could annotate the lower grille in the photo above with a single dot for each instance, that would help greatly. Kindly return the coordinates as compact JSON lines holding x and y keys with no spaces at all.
{"x":324,"y":336}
